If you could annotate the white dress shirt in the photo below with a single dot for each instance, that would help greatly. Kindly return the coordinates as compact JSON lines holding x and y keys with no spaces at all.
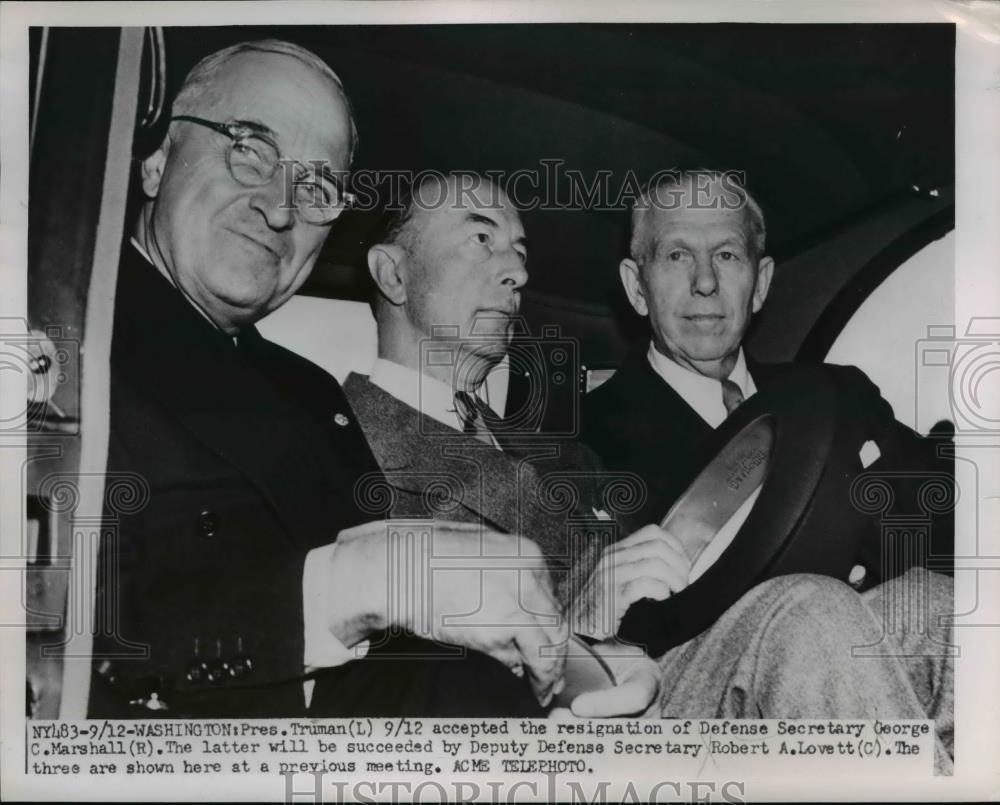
{"x":703,"y":394}
{"x":428,"y":395}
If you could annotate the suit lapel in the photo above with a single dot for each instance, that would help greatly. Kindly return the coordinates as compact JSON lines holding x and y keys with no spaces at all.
{"x":415,"y":451}
{"x":677,"y":420}
{"x":172,"y":353}
{"x":412,"y":449}
{"x":664,"y":436}
{"x":327,"y":430}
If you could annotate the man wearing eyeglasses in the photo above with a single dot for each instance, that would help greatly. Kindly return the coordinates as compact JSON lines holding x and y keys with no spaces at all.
{"x":245,"y":575}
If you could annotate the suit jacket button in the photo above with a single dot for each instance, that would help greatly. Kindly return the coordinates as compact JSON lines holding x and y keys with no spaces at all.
{"x":857,"y":576}
{"x":107,"y":670}
{"x":240,"y":666}
{"x":196,"y":672}
{"x":218,"y":671}
{"x":208,"y":523}
{"x":341,"y":419}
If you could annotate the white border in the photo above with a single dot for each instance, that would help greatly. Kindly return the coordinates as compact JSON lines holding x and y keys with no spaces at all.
{"x":977,"y":294}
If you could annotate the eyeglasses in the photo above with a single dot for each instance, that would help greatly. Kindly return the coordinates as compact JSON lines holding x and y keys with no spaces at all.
{"x":253,"y":159}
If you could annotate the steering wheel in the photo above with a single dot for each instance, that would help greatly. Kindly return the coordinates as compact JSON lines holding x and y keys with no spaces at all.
{"x":788,"y":442}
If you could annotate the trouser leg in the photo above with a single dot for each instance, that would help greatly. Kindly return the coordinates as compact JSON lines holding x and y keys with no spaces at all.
{"x":786,"y":650}
{"x":916,"y":612}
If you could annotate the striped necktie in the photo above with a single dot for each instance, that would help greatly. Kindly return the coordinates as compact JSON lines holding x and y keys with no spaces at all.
{"x":732,"y":397}
{"x":477,"y":417}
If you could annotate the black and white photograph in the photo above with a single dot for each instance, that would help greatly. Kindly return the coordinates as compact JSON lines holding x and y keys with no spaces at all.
{"x":523,"y":402}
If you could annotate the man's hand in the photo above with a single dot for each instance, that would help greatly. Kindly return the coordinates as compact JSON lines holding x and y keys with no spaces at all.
{"x":637,"y":683}
{"x":461,"y":584}
{"x":649,"y":563}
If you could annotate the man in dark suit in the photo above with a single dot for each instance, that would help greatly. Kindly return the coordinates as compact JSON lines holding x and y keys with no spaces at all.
{"x":240,"y":575}
{"x":448,"y":266}
{"x":698,"y":271}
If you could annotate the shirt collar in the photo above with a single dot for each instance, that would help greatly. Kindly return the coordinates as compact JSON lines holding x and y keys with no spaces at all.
{"x":427,"y":395}
{"x":703,"y":394}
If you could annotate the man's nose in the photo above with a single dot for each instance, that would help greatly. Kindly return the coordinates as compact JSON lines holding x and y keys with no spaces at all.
{"x":274,"y":204}
{"x":513,"y":272}
{"x":704,"y":280}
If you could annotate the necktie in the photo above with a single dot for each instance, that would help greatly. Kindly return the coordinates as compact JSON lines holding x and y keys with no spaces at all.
{"x":477,"y":417}
{"x":732,"y":397}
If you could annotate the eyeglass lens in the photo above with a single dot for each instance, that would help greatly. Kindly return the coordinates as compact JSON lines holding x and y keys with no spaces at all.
{"x":254,"y":161}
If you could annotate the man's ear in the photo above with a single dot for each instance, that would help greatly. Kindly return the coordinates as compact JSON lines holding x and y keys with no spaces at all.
{"x":152,"y":168}
{"x":629,"y":272}
{"x":765,"y":268}
{"x":385,"y":264}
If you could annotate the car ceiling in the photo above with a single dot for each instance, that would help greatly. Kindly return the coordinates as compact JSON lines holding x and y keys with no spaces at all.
{"x":830,"y":122}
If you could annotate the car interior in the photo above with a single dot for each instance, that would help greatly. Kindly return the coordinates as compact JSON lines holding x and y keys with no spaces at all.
{"x":847,"y":140}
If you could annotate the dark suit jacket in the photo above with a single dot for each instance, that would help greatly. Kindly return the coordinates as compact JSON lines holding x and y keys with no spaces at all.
{"x":241,"y":459}
{"x":546,"y":489}
{"x":637,"y":423}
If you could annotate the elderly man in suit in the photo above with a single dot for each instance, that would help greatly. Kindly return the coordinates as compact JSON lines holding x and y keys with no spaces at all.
{"x":245,"y":577}
{"x":698,"y":270}
{"x":448,"y":266}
